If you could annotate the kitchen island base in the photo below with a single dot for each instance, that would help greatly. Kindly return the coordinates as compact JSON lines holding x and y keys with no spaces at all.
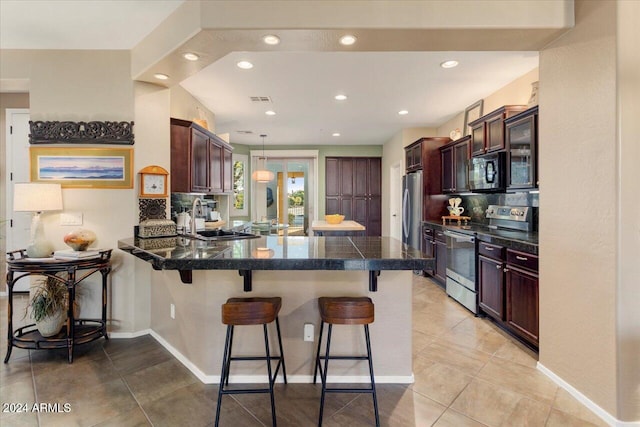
{"x":196,"y":335}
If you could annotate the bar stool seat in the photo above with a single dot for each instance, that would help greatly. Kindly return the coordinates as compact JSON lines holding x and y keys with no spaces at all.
{"x":344,"y":311}
{"x":243,"y":312}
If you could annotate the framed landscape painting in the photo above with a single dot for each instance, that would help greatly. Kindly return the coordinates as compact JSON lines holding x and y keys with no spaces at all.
{"x":83,"y":167}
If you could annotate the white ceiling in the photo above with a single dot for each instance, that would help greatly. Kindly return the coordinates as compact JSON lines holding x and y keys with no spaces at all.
{"x":301,"y":85}
{"x":80,"y":24}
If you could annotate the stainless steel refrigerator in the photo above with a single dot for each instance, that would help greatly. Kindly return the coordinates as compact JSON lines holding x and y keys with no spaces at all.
{"x":412,"y":208}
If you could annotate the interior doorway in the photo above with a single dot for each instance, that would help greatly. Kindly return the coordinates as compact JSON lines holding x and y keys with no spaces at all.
{"x":290,"y":199}
{"x":18,"y":225}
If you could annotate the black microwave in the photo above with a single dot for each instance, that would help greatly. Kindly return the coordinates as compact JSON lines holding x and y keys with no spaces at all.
{"x":487,"y":173}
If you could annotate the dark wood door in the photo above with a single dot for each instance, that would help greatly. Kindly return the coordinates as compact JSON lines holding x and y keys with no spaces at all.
{"x":522,"y":303}
{"x":491,"y":286}
{"x":215,"y":167}
{"x":441,"y":261}
{"x":346,"y":177}
{"x":227,"y":171}
{"x":461,"y":166}
{"x":428,"y":246}
{"x":199,"y":161}
{"x":447,"y":170}
{"x":477,"y":139}
{"x":495,"y":133}
{"x":332,"y":178}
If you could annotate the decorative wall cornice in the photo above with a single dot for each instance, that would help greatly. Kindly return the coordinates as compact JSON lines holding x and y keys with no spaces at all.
{"x":81,"y":132}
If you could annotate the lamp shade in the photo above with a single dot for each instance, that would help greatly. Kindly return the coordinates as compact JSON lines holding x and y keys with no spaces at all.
{"x":262,"y":175}
{"x":37,"y":197}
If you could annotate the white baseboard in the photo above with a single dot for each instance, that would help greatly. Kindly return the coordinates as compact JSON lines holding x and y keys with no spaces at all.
{"x":591,"y":405}
{"x":257,"y":379}
{"x":129,"y":335}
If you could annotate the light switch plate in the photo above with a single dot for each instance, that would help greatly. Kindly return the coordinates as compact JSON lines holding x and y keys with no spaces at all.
{"x":71,"y":218}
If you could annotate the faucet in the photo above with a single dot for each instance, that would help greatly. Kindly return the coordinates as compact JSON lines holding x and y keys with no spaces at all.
{"x":196,"y":201}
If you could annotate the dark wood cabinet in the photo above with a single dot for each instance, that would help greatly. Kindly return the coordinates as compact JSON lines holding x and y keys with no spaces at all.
{"x":521,"y":139}
{"x":353,"y":187}
{"x":200,"y":161}
{"x":508,"y":290}
{"x":413,"y":156}
{"x":441,"y":257}
{"x":428,"y":246}
{"x":522,"y":314}
{"x":487,"y":132}
{"x":491,"y":280}
{"x":454,"y":159}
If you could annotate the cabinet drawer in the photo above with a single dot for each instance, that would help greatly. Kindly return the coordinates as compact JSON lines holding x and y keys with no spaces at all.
{"x":427,"y":233}
{"x":522,"y":259}
{"x":491,"y":251}
{"x":439,"y":236}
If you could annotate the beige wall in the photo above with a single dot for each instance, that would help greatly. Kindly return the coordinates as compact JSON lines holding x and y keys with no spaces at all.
{"x":86,"y":85}
{"x":392,"y":155}
{"x":628,"y":315}
{"x":186,"y":107}
{"x":578,"y":165}
{"x":517,"y":92}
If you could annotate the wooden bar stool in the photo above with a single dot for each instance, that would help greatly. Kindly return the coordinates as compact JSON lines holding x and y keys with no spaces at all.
{"x":344,"y":311}
{"x":251,"y":311}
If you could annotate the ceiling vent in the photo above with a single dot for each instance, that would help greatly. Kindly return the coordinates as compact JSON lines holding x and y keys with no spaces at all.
{"x":260,"y":99}
{"x":245,"y":132}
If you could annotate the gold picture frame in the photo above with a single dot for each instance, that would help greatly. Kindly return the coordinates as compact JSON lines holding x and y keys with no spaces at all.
{"x":83,"y":167}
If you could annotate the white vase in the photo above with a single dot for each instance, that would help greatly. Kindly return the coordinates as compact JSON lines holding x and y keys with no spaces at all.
{"x":51,"y":325}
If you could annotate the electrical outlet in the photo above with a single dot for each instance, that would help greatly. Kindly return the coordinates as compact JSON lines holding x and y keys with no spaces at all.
{"x":173,"y":311}
{"x":308,"y":332}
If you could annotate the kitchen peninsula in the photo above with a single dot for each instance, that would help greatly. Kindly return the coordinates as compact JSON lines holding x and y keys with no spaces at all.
{"x":298,"y":269}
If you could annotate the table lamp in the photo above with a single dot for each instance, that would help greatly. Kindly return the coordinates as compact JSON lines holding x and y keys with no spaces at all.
{"x":37,"y":198}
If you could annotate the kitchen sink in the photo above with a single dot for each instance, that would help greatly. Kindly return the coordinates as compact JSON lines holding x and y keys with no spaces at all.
{"x":216,"y":235}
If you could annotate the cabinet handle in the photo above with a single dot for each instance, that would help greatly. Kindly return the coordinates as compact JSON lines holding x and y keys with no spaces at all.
{"x":505,"y":270}
{"x":499,"y":266}
{"x":522,"y":258}
{"x":486,"y":248}
{"x":439,"y":234}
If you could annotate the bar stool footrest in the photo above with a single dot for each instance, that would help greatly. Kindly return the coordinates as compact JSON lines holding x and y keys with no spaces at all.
{"x":246,"y":390}
{"x":349,"y":390}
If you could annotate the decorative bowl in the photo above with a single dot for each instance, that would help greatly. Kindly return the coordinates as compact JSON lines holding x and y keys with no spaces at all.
{"x":334,"y":219}
{"x":80,"y":240}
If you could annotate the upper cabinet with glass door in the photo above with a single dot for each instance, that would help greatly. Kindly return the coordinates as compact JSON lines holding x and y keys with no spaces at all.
{"x":521,"y":139}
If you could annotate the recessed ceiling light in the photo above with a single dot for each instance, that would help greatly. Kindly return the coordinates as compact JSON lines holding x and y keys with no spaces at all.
{"x":403,"y":112}
{"x":347,"y":40}
{"x":190,"y":56}
{"x":449,"y":64}
{"x":271,"y":39}
{"x":245,"y":65}
{"x":335,"y":134}
{"x":270,"y":113}
{"x":161,"y":76}
{"x":340,"y":97}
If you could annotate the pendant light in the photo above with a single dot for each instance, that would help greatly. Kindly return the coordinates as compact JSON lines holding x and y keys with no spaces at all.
{"x":262,"y":175}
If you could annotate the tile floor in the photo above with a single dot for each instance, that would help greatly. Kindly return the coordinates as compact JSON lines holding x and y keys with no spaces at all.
{"x":467,"y":373}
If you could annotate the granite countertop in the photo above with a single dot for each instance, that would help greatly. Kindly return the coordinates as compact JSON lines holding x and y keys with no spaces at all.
{"x":517,"y":240}
{"x":278,"y":253}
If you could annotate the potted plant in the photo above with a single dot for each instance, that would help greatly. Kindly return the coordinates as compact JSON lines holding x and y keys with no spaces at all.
{"x":49,"y":305}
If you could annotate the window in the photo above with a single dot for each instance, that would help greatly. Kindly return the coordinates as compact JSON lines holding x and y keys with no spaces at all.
{"x":239,"y":199}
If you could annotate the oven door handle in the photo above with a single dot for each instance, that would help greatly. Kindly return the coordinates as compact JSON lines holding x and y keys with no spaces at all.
{"x":460,"y":237}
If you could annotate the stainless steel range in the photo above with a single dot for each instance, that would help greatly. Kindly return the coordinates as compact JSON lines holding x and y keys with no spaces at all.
{"x":461,"y":282}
